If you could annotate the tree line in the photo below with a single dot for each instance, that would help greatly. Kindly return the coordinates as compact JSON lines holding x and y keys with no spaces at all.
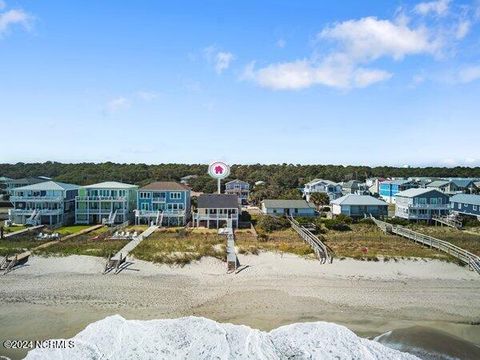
{"x":281,"y":180}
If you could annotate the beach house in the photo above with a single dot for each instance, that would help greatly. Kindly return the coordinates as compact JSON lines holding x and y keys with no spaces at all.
{"x":288,"y":207}
{"x":216,"y":209}
{"x":108,"y":202}
{"x":47,"y":203}
{"x":12,"y":184}
{"x":389,"y":189}
{"x":163,"y":203}
{"x":466,"y":204}
{"x":239,"y":188}
{"x":332,"y":189}
{"x":421,"y":204}
{"x":454,"y":186}
{"x":359,"y":206}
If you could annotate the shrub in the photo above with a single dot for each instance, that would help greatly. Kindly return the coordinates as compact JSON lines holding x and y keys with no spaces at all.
{"x":269,"y":223}
{"x":366,"y":221}
{"x":335,"y":224}
{"x":245,"y":216}
{"x":398,"y":221}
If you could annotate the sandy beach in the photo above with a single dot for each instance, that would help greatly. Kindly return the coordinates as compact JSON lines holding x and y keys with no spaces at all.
{"x":58,"y":296}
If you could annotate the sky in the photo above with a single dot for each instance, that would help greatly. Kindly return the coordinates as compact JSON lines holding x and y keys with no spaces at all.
{"x":305,"y":82}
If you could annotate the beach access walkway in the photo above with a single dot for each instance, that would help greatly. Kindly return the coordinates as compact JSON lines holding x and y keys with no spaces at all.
{"x":322,"y":251}
{"x":466,"y":257}
{"x":118,"y":261}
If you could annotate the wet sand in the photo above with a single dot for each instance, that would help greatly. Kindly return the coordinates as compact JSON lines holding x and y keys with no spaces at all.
{"x":58,"y":297}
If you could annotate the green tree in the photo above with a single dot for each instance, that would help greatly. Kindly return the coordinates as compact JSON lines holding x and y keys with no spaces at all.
{"x":320,"y":199}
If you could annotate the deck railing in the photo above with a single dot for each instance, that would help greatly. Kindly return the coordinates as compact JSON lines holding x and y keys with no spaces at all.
{"x":463,"y":255}
{"x":324,"y":253}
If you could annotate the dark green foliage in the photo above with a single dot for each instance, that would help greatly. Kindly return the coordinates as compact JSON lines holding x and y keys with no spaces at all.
{"x":245,"y":216}
{"x":278,"y":178}
{"x":267,"y":223}
{"x":366,"y":221}
{"x":398,"y":221}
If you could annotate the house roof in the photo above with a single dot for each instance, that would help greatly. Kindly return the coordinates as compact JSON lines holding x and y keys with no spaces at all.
{"x":110,"y":185}
{"x":397,"y":182}
{"x":316,"y":181}
{"x":219,"y":201}
{"x":466,"y":199}
{"x":288,"y":204}
{"x":410,"y":193}
{"x":351,"y":183}
{"x":165,"y":186}
{"x":4,"y":178}
{"x":236,"y":181}
{"x":438,"y":183}
{"x":48,"y":185}
{"x":29,"y":180}
{"x":463,"y":183}
{"x":353,"y":199}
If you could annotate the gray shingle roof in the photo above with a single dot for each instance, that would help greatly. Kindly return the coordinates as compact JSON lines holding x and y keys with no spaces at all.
{"x":165,"y":186}
{"x":218,"y":201}
{"x":466,"y":199}
{"x":288,"y":204}
{"x":353,"y":199}
{"x":396,"y":182}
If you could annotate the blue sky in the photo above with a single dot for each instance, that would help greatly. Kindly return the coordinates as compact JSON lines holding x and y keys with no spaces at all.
{"x":310,"y":82}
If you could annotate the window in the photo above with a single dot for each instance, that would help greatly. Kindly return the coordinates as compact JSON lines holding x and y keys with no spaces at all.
{"x":175,"y":195}
{"x":144,"y":195}
{"x":474,"y":207}
{"x":145,"y":206}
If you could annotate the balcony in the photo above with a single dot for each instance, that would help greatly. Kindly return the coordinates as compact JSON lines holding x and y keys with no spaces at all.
{"x":36,"y":198}
{"x":214,"y":216}
{"x":426,"y":206}
{"x":152,"y":213}
{"x":101,"y":198}
{"x":28,"y":212}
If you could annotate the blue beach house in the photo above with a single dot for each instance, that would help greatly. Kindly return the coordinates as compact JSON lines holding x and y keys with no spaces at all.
{"x":389,"y":189}
{"x":163,"y":203}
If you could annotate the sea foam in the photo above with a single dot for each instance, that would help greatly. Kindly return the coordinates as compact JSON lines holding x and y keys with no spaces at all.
{"x":200,"y":338}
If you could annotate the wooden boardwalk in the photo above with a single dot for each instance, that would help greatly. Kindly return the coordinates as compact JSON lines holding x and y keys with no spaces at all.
{"x":115,"y":261}
{"x":26,"y":230}
{"x":466,"y":257}
{"x":12,"y":261}
{"x":322,"y":251}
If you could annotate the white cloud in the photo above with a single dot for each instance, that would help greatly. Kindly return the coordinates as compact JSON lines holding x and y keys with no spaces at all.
{"x":463,"y":29}
{"x":148,"y":95}
{"x":439,"y":7}
{"x":221,"y":60}
{"x":301,"y":74}
{"x":14,"y":17}
{"x":469,"y":74}
{"x":370,"y":38}
{"x":3,"y":5}
{"x":118,"y":104}
{"x":281,"y":43}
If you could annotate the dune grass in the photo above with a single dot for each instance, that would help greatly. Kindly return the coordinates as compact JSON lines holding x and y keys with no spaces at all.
{"x":177,"y":246}
{"x":93,"y":243}
{"x":367,"y":242}
{"x":285,"y":241}
{"x":466,"y":240}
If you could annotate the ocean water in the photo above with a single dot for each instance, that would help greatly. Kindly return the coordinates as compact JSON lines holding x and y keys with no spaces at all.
{"x":428,"y":341}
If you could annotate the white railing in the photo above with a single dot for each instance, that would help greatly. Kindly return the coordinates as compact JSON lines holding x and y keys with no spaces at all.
{"x":323,"y":253}
{"x":17,"y":198}
{"x":16,"y":212}
{"x":215,"y":216}
{"x":153,"y":213}
{"x":463,"y":255}
{"x":101,"y":198}
{"x":426,"y":206}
